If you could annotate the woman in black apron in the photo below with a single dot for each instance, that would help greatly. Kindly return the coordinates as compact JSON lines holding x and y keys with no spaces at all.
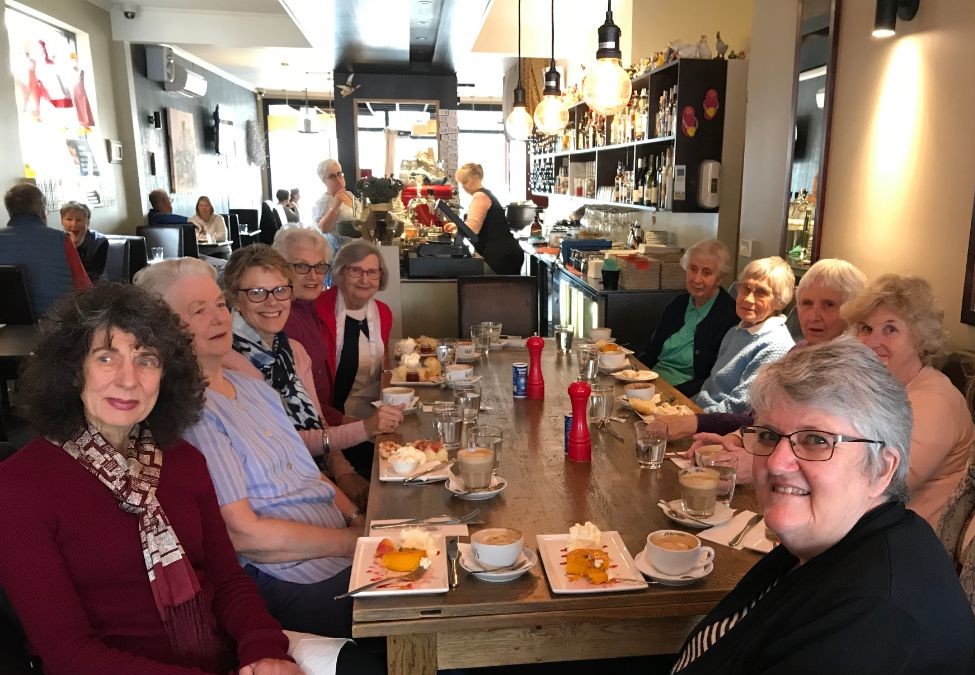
{"x":485,"y":216}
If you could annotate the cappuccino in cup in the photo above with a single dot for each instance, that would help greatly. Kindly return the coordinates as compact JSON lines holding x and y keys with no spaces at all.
{"x":476,"y":467}
{"x":459,"y":371}
{"x":497,"y":546}
{"x":698,"y":490}
{"x":674,"y":552}
{"x":398,"y":395}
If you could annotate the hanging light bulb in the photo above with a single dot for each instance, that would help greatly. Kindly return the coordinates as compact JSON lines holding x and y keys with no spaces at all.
{"x":551,"y":115}
{"x":606,"y":87}
{"x":519,"y":123}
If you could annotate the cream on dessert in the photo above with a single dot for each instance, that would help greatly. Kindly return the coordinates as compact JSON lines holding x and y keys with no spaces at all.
{"x":411,"y":360}
{"x":408,"y":453}
{"x":584,"y":536}
{"x":418,"y":540}
{"x":407,"y":346}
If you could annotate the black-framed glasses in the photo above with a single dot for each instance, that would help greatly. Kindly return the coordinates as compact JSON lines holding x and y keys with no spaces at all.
{"x":257,"y":295}
{"x":305,"y":268}
{"x":358,"y":273}
{"x":336,"y":175}
{"x":811,"y":445}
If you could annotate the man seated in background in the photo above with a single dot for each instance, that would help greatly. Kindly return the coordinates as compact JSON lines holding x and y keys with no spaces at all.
{"x":47,"y":258}
{"x":284,"y":201}
{"x":92,"y":246}
{"x":161,"y":211}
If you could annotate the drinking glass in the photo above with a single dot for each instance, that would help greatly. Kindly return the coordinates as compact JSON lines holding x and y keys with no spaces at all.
{"x":447,"y":356}
{"x":588,"y":363}
{"x":487,"y":436}
{"x":495,"y":329}
{"x":563,"y":338}
{"x":601,"y":402}
{"x":448,"y":420}
{"x":157,"y":253}
{"x":651,"y":444}
{"x":481,"y":337}
{"x":468,"y":397}
{"x":698,"y":490}
{"x":726,"y":464}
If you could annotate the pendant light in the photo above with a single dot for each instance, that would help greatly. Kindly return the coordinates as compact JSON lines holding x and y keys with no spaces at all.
{"x":519,"y":122}
{"x":307,"y":126}
{"x":606,"y":87}
{"x":551,"y":115}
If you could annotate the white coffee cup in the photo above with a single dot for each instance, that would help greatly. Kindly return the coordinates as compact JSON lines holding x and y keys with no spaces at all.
{"x":600,"y":333}
{"x":465,"y":349}
{"x":398,"y":395}
{"x":674,"y":552}
{"x":640,"y":390}
{"x":497,"y":546}
{"x":615,"y":359}
{"x":459,"y":371}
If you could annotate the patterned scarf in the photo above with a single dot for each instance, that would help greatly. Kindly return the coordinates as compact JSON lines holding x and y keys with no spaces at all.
{"x":955,"y":519}
{"x":133,"y":479}
{"x":278,"y":367}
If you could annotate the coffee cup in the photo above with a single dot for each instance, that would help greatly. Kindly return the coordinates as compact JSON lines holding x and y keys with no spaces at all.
{"x":612,"y":359}
{"x":600,"y":333}
{"x":398,"y":395}
{"x":674,"y":552}
{"x":459,"y":371}
{"x":465,"y":349}
{"x":698,"y":490}
{"x":497,"y":546}
{"x":640,"y":390}
{"x":476,"y":467}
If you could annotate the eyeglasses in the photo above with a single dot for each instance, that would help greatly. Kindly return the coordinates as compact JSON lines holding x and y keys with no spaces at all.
{"x":760,"y":292}
{"x":811,"y":445}
{"x":257,"y":295}
{"x":358,"y":273}
{"x":336,"y":175}
{"x":305,"y":268}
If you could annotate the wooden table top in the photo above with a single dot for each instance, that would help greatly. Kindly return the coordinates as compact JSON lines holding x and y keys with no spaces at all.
{"x":546,"y":494}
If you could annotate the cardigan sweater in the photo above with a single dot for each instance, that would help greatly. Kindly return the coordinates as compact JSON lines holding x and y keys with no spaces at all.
{"x":93,"y":252}
{"x":884,"y":600}
{"x":707,"y":336}
{"x":73,"y":566}
{"x":305,"y":327}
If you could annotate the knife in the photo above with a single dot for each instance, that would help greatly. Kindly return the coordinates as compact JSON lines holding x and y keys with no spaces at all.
{"x":452,"y":553}
{"x":752,"y":522}
{"x":435,"y":467}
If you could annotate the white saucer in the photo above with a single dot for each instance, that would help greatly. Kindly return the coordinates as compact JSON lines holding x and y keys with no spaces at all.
{"x":412,"y":408}
{"x":466,"y":380}
{"x":722,"y":515}
{"x":527,"y":560}
{"x":468,"y":359}
{"x":455,"y":486}
{"x":648,"y":570}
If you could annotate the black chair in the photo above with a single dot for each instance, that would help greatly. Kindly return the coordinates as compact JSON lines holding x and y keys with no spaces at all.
{"x":249,"y":227}
{"x":512,"y":300}
{"x":117,"y":261}
{"x":270,"y":223}
{"x":138,"y":252}
{"x":233,"y":229}
{"x":176,"y":241}
{"x":16,"y":306}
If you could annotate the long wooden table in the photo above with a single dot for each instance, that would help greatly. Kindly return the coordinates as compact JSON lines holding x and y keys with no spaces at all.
{"x":481,"y":623}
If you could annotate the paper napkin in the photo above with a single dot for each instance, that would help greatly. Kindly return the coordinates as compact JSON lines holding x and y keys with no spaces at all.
{"x":754,"y":539}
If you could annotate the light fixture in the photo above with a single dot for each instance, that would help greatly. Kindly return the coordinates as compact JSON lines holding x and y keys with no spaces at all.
{"x":307,"y":124}
{"x":888,"y":11}
{"x":519,"y":123}
{"x":606,"y":87}
{"x":821,"y":97}
{"x":551,"y":115}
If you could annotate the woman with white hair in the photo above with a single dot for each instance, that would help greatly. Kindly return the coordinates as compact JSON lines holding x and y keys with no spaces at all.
{"x":335,"y":205}
{"x":684,"y":345}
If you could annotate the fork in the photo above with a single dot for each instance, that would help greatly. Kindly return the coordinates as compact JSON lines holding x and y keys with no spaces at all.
{"x":603,"y":425}
{"x":412,"y":575}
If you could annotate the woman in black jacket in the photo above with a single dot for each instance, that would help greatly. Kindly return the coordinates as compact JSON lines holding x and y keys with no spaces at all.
{"x":485,"y":216}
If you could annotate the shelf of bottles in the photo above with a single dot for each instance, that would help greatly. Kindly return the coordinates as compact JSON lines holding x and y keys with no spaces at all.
{"x":647,"y":155}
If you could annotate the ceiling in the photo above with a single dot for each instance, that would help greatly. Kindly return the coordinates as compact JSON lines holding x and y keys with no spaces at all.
{"x":291,"y":45}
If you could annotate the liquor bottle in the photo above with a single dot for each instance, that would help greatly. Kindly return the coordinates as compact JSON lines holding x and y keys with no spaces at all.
{"x":618,"y":183}
{"x":591,"y":131}
{"x":672,"y":117}
{"x":661,"y":115}
{"x":669,"y":180}
{"x":650,"y":197}
{"x":640,"y":133}
{"x":638,"y":180}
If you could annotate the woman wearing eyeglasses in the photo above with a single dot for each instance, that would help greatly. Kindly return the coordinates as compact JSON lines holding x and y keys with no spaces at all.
{"x":335,"y":205}
{"x":859,"y":584}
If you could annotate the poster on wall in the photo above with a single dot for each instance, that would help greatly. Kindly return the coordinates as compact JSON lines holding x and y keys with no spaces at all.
{"x":62,"y":147}
{"x":182,"y":150}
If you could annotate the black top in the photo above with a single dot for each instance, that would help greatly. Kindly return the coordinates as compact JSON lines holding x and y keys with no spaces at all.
{"x":707,"y":336}
{"x":495,"y":241}
{"x":93,"y":252}
{"x":885,"y":599}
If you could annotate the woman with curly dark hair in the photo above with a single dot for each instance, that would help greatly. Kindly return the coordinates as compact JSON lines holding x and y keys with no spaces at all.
{"x":116,"y":557}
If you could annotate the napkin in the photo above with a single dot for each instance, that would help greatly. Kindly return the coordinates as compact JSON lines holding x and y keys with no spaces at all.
{"x":754,"y":539}
{"x":681,"y":462}
{"x":456,"y":530}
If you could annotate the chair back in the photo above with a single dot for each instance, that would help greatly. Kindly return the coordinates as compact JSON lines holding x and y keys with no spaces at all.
{"x":138,"y":252}
{"x":249,"y":227}
{"x":176,"y":241}
{"x":188,"y":240}
{"x":233,"y":229}
{"x":270,"y":223}
{"x":16,"y":307}
{"x":117,"y":266}
{"x":510,"y":299}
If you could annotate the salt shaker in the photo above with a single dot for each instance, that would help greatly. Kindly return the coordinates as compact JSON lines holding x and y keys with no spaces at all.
{"x":535,"y":388}
{"x":580,"y":443}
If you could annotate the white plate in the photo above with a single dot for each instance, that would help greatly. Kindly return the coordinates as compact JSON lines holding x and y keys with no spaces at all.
{"x":469,"y":358}
{"x":648,"y":570}
{"x":366,"y":569}
{"x":527,"y":559}
{"x":412,"y":408}
{"x":455,"y":486}
{"x":435,"y":382}
{"x":387,"y":475}
{"x":722,"y":514}
{"x":645,"y":376}
{"x":552,"y":549}
{"x":610,"y":370}
{"x":466,"y":380}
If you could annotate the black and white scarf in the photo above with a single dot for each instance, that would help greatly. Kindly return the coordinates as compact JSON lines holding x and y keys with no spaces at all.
{"x":278,"y":367}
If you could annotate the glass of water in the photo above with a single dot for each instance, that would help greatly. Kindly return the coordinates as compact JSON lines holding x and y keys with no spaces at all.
{"x":157,"y":253}
{"x":487,"y":436}
{"x":651,"y":444}
{"x":563,"y":338}
{"x":481,"y":337}
{"x":494,"y":328}
{"x":468,"y":397}
{"x":601,"y":402}
{"x":588,"y":363}
{"x":448,"y":419}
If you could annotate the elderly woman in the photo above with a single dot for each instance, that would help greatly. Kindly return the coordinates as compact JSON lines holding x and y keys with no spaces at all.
{"x":116,"y":559}
{"x":764,"y":289}
{"x":258,"y":283}
{"x":684,"y":345}
{"x":900,"y":319}
{"x":486,"y":217}
{"x":337,"y":204}
{"x":92,"y":246}
{"x":860,"y":584}
{"x":210,"y":226}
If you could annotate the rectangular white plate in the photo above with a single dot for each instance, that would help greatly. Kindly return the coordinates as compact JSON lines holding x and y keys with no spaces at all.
{"x":552,"y":548}
{"x":387,"y":475}
{"x":366,"y":569}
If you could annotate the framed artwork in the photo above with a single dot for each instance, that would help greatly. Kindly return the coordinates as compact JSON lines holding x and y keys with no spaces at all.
{"x":182,"y":150}
{"x":968,"y":292}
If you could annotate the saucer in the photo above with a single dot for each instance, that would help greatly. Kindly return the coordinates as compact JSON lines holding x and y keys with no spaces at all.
{"x":455,"y":486}
{"x":722,"y":514}
{"x":648,"y":570}
{"x":412,"y":408}
{"x":466,"y":380}
{"x":526,"y":560}
{"x":469,"y":358}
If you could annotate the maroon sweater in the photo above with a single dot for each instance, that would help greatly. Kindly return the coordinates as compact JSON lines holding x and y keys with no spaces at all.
{"x":72,"y":566}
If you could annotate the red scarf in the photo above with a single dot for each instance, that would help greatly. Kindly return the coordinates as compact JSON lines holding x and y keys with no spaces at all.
{"x":189,"y":623}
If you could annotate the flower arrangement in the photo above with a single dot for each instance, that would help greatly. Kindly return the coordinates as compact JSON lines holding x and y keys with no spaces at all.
{"x":377,"y":190}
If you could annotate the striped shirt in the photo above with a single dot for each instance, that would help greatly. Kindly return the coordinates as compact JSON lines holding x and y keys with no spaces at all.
{"x":254,"y":453}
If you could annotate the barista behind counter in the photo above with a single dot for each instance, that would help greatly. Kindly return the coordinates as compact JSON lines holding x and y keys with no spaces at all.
{"x":486,"y":218}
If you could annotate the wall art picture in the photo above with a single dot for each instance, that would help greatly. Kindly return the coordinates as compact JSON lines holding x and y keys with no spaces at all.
{"x":182,"y":150}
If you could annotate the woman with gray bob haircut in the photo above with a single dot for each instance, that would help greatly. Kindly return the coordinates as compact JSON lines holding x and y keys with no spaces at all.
{"x":356,"y":251}
{"x":859,"y":583}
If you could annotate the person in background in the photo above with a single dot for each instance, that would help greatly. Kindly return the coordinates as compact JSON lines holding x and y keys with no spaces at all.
{"x":295,"y":196}
{"x":684,"y":345}
{"x":92,"y":246}
{"x":47,"y":258}
{"x":210,"y":227}
{"x":900,"y":319}
{"x":859,"y":583}
{"x":161,"y":210}
{"x":116,"y":559}
{"x":335,"y":205}
{"x":485,"y":216}
{"x":284,"y":201}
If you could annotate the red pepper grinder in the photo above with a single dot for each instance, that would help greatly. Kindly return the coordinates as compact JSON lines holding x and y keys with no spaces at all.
{"x":535,"y":387}
{"x":580,"y":443}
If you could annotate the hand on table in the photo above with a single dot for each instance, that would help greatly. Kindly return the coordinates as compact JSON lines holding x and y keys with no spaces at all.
{"x":679,"y":426}
{"x":355,"y":488}
{"x":271,"y":667}
{"x":733,"y":444}
{"x":385,"y":420}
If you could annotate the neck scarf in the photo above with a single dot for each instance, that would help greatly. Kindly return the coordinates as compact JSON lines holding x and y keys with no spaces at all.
{"x":952,"y":528}
{"x":278,"y":367}
{"x":133,"y":480}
